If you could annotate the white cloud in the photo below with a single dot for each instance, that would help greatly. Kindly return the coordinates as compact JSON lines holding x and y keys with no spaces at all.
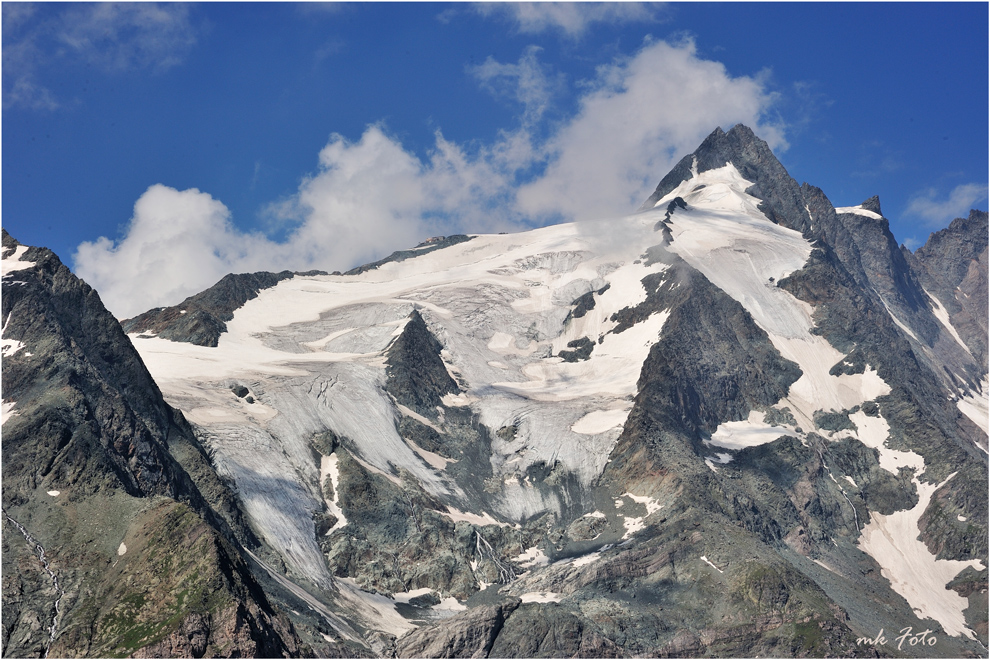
{"x":366,"y":199}
{"x":121,"y":36}
{"x":573,"y":19}
{"x":937,"y":212}
{"x":643,"y":114}
{"x":372,"y":196}
{"x":178,"y":243}
{"x":528,"y":82}
{"x":112,"y":36}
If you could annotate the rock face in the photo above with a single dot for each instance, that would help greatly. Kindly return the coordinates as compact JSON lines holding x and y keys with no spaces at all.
{"x":754,"y":426}
{"x":416,"y":375}
{"x":952,"y":266}
{"x":133,"y":553}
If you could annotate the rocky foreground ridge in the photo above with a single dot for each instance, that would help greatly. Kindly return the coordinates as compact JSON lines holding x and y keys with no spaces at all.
{"x":741,"y":422}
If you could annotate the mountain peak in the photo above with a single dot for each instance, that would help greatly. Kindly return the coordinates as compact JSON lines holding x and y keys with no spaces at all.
{"x":780,"y":195}
{"x":740,"y":146}
{"x":872,"y":204}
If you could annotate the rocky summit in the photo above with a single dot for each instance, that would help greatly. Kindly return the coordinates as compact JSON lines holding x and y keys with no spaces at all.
{"x":740,"y":422}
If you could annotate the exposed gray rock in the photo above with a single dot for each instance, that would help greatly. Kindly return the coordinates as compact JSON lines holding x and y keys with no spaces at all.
{"x":416,"y":374}
{"x":470,"y":635}
{"x":953,"y":266}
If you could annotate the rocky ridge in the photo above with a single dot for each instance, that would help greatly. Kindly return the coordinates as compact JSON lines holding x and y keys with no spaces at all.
{"x":95,"y":466}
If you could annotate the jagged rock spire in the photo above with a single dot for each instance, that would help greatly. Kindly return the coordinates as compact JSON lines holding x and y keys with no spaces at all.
{"x":872,"y":204}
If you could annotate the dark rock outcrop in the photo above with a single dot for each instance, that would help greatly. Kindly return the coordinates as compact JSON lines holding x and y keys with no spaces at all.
{"x":417,"y":376}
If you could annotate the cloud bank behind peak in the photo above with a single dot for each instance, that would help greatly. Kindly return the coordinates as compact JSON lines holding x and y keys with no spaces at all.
{"x":371,"y":196}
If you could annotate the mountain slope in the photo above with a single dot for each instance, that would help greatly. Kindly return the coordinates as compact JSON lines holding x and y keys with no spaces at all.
{"x":739,"y":422}
{"x":92,"y":491}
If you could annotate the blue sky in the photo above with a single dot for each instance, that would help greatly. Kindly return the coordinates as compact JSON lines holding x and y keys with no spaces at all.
{"x":157,"y":147}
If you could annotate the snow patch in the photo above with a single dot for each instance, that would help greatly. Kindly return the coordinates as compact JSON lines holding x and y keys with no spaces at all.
{"x":976,"y":406}
{"x":329,"y":470}
{"x":652,"y":506}
{"x":473,"y":518}
{"x":121,"y":549}
{"x":600,"y":421}
{"x":750,"y":432}
{"x":943,"y":317}
{"x":455,"y":400}
{"x":406,"y":596}
{"x":707,"y":561}
{"x":449,"y":604}
{"x":8,"y":347}
{"x":588,"y":558}
{"x":540,"y":597}
{"x":7,"y":411}
{"x":913,"y":571}
{"x":436,"y":461}
{"x":532,"y":557}
{"x":859,"y":210}
{"x":409,"y":412}
{"x":632,"y":525}
{"x":54,"y":493}
{"x":873,"y":432}
{"x":13,"y":262}
{"x":377,"y":611}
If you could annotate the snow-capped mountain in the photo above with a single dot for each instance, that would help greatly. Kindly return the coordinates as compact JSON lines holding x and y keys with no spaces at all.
{"x":738,"y":422}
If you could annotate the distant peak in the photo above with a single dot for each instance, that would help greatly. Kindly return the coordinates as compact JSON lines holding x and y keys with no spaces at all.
{"x":750,"y":155}
{"x":872,"y":204}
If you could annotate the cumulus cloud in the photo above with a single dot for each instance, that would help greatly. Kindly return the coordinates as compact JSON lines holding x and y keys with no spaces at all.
{"x":366,"y":199}
{"x":642,"y":115}
{"x":372,"y":196}
{"x":573,"y":19}
{"x":112,"y":36}
{"x":937,"y":211}
{"x":177,"y":243}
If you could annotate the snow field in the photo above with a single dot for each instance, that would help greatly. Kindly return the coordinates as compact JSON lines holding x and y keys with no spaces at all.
{"x":328,"y":470}
{"x":724,"y":235}
{"x":943,"y":317}
{"x":7,"y":411}
{"x":976,"y":406}
{"x":12,"y":262}
{"x":912,"y":569}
